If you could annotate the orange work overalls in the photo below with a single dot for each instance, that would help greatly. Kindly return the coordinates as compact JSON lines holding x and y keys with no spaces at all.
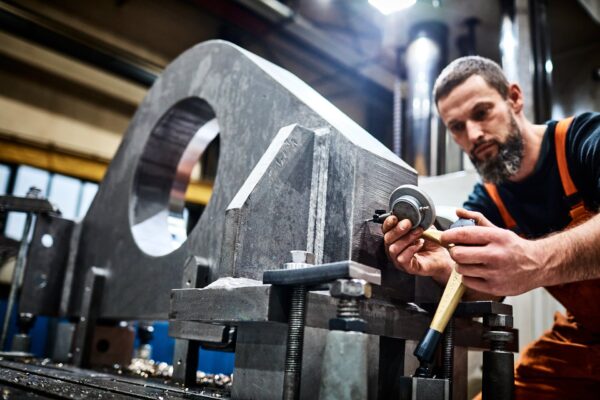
{"x":564,"y":363}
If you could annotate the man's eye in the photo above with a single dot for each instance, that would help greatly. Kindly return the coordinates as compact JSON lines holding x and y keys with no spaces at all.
{"x":480,"y":114}
{"x":457,"y":127}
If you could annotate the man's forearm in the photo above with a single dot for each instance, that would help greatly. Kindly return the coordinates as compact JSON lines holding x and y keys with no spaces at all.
{"x":572,"y":255}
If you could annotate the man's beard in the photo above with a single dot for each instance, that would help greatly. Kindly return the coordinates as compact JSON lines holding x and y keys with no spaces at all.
{"x":507,"y":162}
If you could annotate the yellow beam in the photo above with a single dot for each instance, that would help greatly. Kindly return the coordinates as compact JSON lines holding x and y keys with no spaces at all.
{"x":198,"y":192}
{"x":51,"y":160}
{"x":51,"y":129}
{"x":77,"y":166}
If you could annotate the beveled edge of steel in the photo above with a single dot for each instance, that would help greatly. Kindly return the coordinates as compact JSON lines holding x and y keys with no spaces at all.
{"x":25,"y":204}
{"x":323,"y":273}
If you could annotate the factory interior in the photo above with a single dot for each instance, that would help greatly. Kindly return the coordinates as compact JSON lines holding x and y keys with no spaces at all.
{"x":192,"y":196}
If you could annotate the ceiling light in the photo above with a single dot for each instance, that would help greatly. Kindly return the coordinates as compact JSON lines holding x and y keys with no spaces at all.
{"x":387,"y":7}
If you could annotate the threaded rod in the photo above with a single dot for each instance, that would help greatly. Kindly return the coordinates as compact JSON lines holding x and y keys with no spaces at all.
{"x":448,"y":353}
{"x":295,"y":342}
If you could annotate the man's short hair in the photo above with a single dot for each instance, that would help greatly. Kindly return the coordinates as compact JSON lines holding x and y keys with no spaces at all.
{"x":463,"y":68}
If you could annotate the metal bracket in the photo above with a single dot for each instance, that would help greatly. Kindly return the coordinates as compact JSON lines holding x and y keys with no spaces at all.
{"x":26,"y":205}
{"x":322,"y":273}
{"x":84,"y":334}
{"x":185,"y":355}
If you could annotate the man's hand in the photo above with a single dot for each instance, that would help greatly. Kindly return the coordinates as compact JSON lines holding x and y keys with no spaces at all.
{"x":494,"y":260}
{"x":414,"y":255}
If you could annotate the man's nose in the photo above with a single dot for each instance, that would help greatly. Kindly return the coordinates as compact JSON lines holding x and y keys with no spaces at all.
{"x":474,"y":131}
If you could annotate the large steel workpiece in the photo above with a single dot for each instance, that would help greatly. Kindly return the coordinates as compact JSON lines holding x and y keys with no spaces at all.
{"x":320,"y":175}
{"x":293,"y":173}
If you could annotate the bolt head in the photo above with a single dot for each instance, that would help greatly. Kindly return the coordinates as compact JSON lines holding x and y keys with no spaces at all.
{"x":498,"y":321}
{"x":350,"y":289}
{"x":348,"y":324}
{"x":301,"y":256}
{"x":34,"y":193}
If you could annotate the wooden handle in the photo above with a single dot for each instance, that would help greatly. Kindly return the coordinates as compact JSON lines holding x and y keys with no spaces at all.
{"x":432,"y":235}
{"x":450,"y":299}
{"x":453,"y":291}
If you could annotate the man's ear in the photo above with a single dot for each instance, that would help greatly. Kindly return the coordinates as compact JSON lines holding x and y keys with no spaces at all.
{"x":515,"y":97}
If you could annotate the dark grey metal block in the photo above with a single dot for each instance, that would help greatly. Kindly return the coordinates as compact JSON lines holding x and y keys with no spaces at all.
{"x":198,"y":331}
{"x":259,"y":362}
{"x":332,"y":171}
{"x":266,"y":303}
{"x":62,"y":342}
{"x":46,"y":266}
{"x":185,"y":362}
{"x":424,"y":388}
{"x":262,"y":303}
{"x":26,"y":204}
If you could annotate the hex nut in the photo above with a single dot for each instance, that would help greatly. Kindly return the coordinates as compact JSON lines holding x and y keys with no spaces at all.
{"x":350,"y":289}
{"x":499,"y":336}
{"x":498,"y":321}
{"x":348,"y":324}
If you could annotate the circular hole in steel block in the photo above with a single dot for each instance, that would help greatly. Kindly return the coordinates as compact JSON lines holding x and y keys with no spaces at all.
{"x":177,"y":165}
{"x":47,"y":240}
{"x":102,"y":345}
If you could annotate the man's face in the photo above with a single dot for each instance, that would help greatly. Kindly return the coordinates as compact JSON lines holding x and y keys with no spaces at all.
{"x":483,"y":125}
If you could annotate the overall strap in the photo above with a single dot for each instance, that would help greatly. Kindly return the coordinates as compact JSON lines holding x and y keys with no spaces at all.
{"x":560,"y":139}
{"x":492,"y":190}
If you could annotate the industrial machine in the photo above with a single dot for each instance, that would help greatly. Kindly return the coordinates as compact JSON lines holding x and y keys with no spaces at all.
{"x":281,"y":268}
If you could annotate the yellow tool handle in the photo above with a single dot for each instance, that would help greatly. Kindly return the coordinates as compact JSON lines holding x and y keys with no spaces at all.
{"x":452,"y":293}
{"x":432,"y":235}
{"x":425,"y":350}
{"x":450,"y":299}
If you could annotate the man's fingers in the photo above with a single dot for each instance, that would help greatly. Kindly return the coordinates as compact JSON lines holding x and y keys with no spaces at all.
{"x":473,"y":254}
{"x":478,"y":217}
{"x":472,"y":235}
{"x":397,"y":231}
{"x":405,"y":258}
{"x":471,"y":270}
{"x":400,"y":245}
{"x":389,"y":223}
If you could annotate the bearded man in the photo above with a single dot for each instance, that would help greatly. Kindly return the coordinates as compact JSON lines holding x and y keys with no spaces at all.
{"x":537,"y":217}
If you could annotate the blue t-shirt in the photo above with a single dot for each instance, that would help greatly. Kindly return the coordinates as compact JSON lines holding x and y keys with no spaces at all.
{"x":538,"y":203}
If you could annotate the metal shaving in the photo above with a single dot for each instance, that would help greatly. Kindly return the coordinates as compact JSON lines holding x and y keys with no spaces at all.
{"x":151,"y":369}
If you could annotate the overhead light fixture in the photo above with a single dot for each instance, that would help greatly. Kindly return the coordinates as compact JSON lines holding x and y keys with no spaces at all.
{"x":387,"y":7}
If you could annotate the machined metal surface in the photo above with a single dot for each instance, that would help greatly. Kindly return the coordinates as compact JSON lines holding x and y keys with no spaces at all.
{"x":325,"y":177}
{"x":84,"y":333}
{"x":194,"y":330}
{"x":323,"y":273}
{"x":186,"y":350}
{"x":266,"y":303}
{"x":26,"y":204}
{"x":293,"y":173}
{"x":345,"y":363}
{"x":413,"y":388}
{"x":51,"y":381}
{"x":47,"y":264}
